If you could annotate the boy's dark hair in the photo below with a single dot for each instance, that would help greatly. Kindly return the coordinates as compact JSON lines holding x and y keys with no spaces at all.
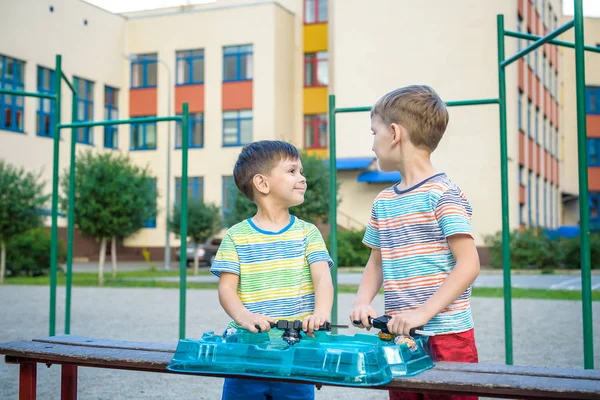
{"x":260,"y":158}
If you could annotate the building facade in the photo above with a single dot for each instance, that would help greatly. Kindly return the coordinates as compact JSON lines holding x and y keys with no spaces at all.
{"x":253,"y":70}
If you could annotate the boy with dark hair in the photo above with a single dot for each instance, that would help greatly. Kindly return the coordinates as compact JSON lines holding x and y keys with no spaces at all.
{"x":272,"y":266}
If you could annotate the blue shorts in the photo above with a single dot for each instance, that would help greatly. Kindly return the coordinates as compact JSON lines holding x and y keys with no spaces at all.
{"x":247,"y":389}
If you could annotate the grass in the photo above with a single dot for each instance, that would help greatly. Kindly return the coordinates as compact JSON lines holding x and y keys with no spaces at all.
{"x":126,"y":279}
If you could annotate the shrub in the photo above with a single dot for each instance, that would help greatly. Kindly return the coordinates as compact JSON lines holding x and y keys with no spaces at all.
{"x":529,"y":249}
{"x":351,"y":251}
{"x":29,"y":253}
{"x":569,"y":256}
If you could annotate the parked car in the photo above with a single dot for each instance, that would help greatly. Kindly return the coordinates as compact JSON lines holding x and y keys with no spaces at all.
{"x":206,"y":252}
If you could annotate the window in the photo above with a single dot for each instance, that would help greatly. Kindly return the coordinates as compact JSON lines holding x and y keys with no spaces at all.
{"x":521,"y":173}
{"x":144,"y":71}
{"x":529,"y":202}
{"x":545,"y":190}
{"x":190,"y":67}
{"x":228,"y":195}
{"x":316,"y":69}
{"x":315,"y":131}
{"x":143,"y":136}
{"x":237,"y":127}
{"x":151,"y":223}
{"x":519,"y":29}
{"x":45,"y":114}
{"x":592,"y":94}
{"x":537,"y":201}
{"x":529,"y":130}
{"x":315,"y":11}
{"x":593,"y":147}
{"x":111,"y":112}
{"x":85,"y":108}
{"x":537,"y":127}
{"x":11,"y":107}
{"x":237,"y":63}
{"x":196,"y":132}
{"x":594,"y":202}
{"x":195,"y":188}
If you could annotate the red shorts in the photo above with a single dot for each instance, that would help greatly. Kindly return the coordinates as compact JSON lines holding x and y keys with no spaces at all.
{"x":457,"y":347}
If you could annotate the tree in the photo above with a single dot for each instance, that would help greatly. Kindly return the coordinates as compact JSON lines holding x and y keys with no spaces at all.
{"x":113,"y":198}
{"x":21,"y":204}
{"x":316,"y":200}
{"x":204,"y":221}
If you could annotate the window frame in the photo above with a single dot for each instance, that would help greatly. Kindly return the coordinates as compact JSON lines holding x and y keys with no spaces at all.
{"x":235,"y":51}
{"x":41,"y":113}
{"x":313,"y":64}
{"x":228,"y":184}
{"x":195,"y":188}
{"x":11,"y":102}
{"x":108,"y":110}
{"x":85,"y":135}
{"x":195,"y":118}
{"x":593,"y":143}
{"x":589,"y":92}
{"x":144,"y":60}
{"x":151,"y":223}
{"x":317,"y":16}
{"x":144,"y":126}
{"x":315,"y":120}
{"x":189,"y":58}
{"x":239,"y":120}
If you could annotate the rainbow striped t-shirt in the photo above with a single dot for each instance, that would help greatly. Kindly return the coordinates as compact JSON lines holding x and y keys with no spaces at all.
{"x":273,"y":267}
{"x":411,"y":228}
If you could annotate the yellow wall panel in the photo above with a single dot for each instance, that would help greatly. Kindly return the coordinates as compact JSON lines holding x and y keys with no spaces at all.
{"x":315,"y":100}
{"x":315,"y":38}
{"x":321,"y":153}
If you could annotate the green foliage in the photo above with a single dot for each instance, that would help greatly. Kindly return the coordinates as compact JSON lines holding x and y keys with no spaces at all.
{"x":316,"y":199}
{"x":204,"y":220}
{"x":351,"y":250}
{"x":21,"y":201}
{"x":28,"y":254}
{"x":532,"y":248}
{"x":113,"y":197}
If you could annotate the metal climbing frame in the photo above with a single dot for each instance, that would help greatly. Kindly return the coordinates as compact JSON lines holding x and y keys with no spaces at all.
{"x":59,"y":76}
{"x":586,"y":285}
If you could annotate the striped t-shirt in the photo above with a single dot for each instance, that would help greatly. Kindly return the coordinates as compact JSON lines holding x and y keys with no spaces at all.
{"x":411,"y":228}
{"x":273,"y":267}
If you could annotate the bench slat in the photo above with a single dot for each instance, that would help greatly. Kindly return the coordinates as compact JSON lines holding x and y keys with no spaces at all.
{"x":445,"y":378}
{"x":106,"y":343}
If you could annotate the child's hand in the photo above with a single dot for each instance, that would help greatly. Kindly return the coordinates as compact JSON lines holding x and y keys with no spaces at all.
{"x":254,"y":322}
{"x":313,"y":323}
{"x":402,"y":323}
{"x":361,"y":314}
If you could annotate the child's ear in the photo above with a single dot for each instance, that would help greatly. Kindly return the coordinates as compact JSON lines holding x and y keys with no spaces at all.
{"x":261,"y":184}
{"x":397,"y":131}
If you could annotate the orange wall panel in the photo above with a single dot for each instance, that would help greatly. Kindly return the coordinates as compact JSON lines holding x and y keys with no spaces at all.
{"x":594,"y":178}
{"x":546,"y":165}
{"x":521,"y":8}
{"x":521,"y":148}
{"x":237,"y":95}
{"x":142,"y":102}
{"x":193,"y":95}
{"x":593,"y":125}
{"x":521,"y":194}
{"x":530,"y":15}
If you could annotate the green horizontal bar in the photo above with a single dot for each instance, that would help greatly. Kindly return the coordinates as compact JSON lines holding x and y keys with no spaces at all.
{"x":527,"y":36}
{"x":28,"y":94}
{"x":477,"y":102}
{"x":351,"y":109}
{"x":85,"y":124}
{"x":541,"y":41}
{"x":68,"y":83}
{"x":449,"y":104}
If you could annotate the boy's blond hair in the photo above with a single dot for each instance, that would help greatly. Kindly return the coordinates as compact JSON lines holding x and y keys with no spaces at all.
{"x":419,"y":109}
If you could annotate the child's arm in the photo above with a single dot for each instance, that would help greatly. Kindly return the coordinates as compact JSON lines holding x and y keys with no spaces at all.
{"x":371,"y":282}
{"x":233,"y":306}
{"x":464,"y":273}
{"x":321,"y":277}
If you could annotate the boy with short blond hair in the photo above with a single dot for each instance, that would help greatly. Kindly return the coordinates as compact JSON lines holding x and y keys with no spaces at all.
{"x":272,"y":266}
{"x":423,"y":251}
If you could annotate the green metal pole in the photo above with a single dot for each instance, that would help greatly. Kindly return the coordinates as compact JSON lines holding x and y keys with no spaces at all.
{"x":333,"y":244}
{"x":528,"y":36}
{"x":460,"y":103}
{"x":504,"y":185}
{"x":184,"y":218}
{"x":71,"y":219}
{"x":86,"y":124}
{"x":584,"y":211}
{"x":54,"y":230}
{"x":28,"y":94}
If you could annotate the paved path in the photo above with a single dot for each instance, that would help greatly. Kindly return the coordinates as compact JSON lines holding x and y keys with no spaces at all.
{"x":553,"y":282}
{"x":546,"y":333}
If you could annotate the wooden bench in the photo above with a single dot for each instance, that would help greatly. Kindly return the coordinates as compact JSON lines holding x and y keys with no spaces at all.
{"x":488,"y":380}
